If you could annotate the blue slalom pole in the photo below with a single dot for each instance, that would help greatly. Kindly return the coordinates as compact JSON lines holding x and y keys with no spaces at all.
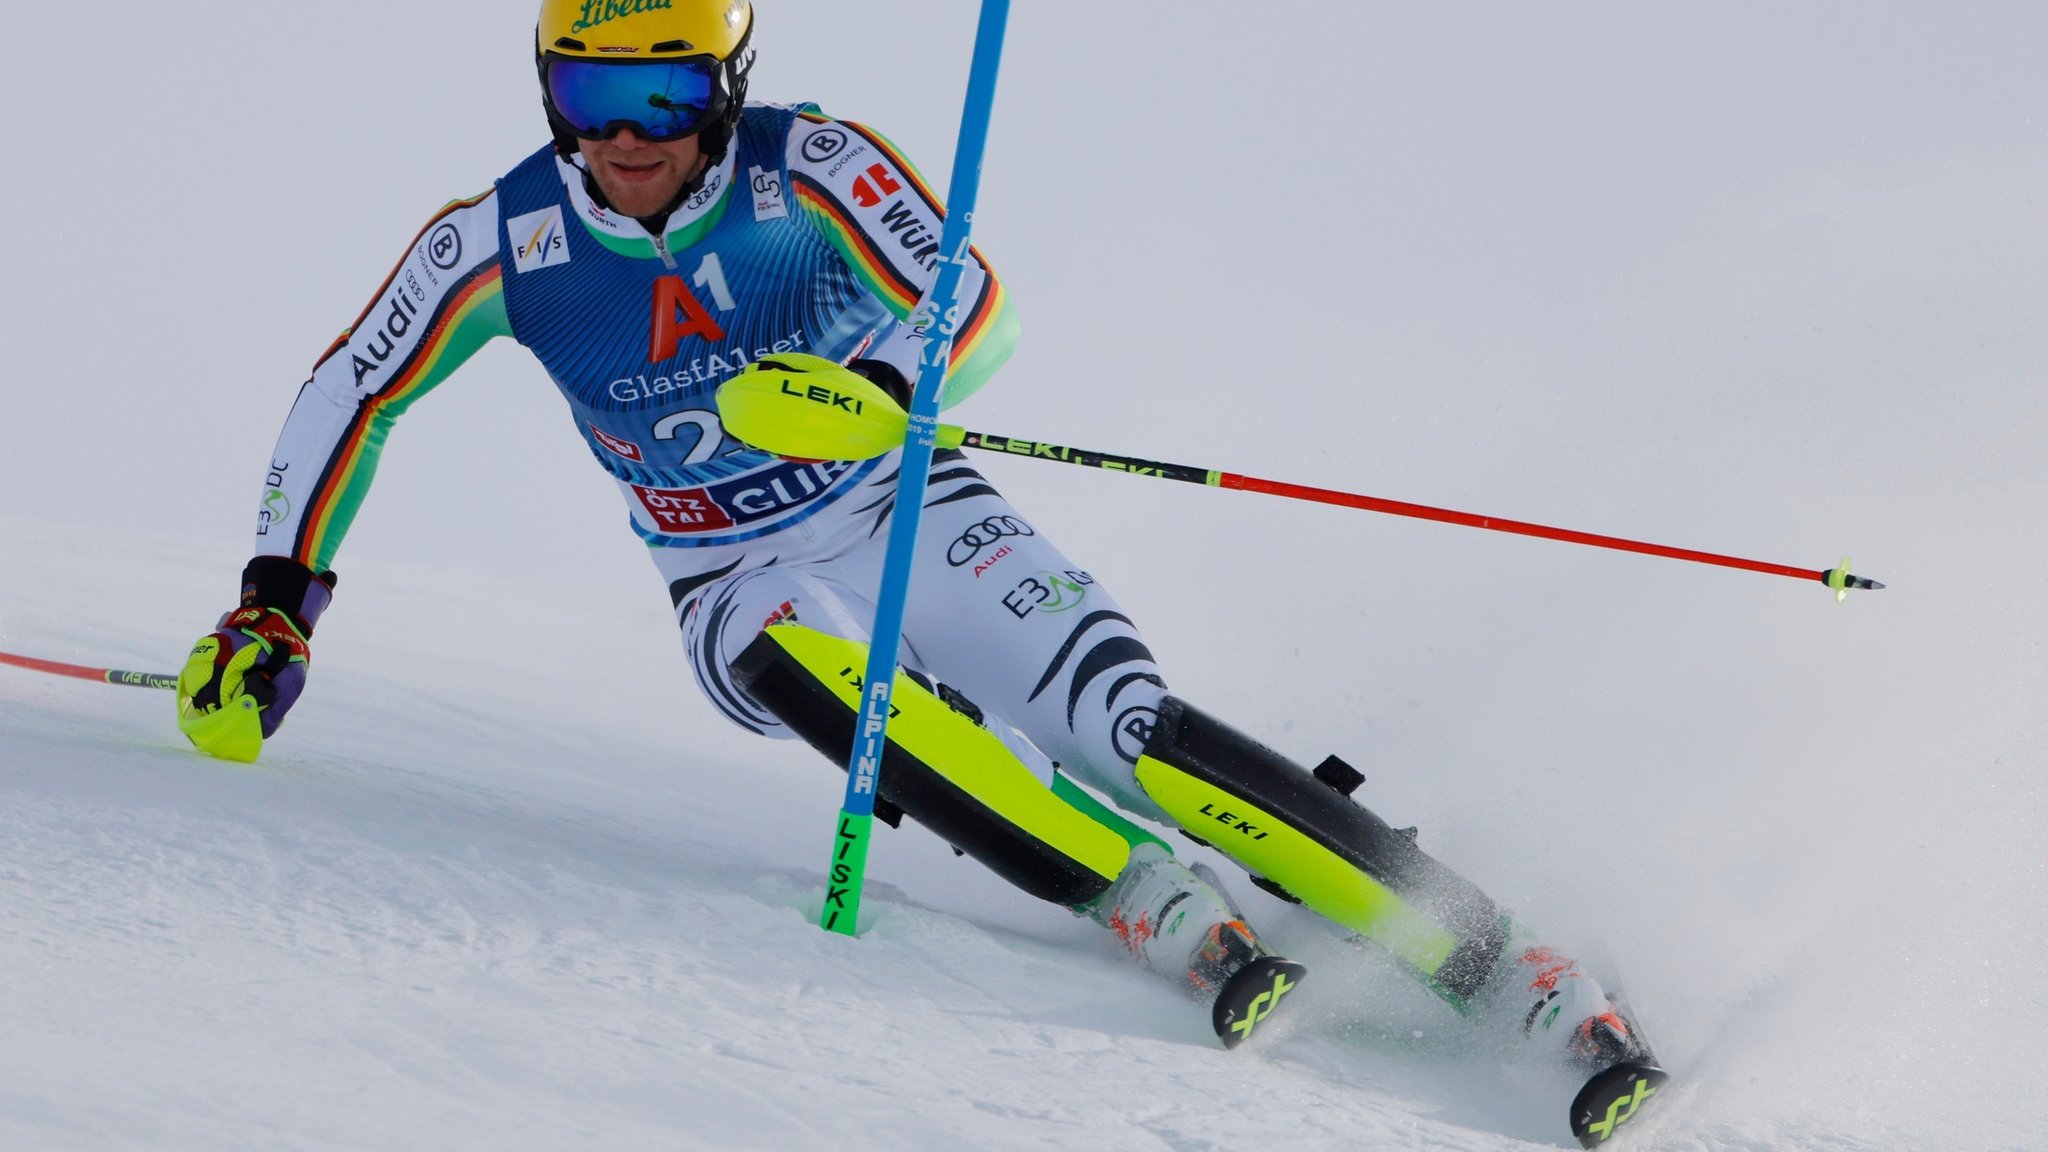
{"x":856,"y":815}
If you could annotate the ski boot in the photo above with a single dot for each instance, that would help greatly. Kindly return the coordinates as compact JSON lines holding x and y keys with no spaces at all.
{"x":1569,"y":1017}
{"x":1179,"y":925}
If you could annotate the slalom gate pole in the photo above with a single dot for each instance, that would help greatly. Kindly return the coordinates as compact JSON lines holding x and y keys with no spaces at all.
{"x":1837,"y":578}
{"x":81,"y":672}
{"x":848,"y":872}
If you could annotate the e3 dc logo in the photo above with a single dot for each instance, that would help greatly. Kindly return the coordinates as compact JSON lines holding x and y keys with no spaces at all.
{"x":1047,"y":592}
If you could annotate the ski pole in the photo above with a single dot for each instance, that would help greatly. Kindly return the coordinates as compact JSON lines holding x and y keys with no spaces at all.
{"x":1837,"y":578}
{"x":764,"y":409}
{"x":81,"y":672}
{"x":848,"y":873}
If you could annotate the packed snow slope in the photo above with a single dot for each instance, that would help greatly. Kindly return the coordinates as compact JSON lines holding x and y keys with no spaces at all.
{"x":1759,"y":281}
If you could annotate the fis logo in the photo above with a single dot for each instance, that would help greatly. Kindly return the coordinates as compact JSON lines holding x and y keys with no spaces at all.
{"x":537,"y":240}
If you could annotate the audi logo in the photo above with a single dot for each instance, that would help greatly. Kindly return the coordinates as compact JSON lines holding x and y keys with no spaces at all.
{"x":978,"y":536}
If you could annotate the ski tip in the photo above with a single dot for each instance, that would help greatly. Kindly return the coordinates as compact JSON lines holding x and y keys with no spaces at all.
{"x":1251,"y":995}
{"x":1613,"y":1098}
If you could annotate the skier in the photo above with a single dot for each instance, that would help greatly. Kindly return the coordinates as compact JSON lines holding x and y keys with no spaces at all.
{"x":672,"y":236}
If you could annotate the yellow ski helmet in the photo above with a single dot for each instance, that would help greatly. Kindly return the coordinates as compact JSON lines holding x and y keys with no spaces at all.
{"x":665,"y":68}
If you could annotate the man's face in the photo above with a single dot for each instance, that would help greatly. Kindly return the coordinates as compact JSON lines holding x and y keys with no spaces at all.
{"x":638,"y":176}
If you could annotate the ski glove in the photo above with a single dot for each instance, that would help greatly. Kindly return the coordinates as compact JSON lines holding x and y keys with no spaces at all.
{"x":756,"y":407}
{"x":885,"y":376}
{"x":243,"y":677}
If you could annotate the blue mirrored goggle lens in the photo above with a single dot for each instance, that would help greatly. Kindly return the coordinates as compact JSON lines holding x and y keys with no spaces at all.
{"x":659,"y":99}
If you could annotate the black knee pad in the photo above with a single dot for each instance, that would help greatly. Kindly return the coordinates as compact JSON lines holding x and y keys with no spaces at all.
{"x":1303,"y":834}
{"x":939,"y":766}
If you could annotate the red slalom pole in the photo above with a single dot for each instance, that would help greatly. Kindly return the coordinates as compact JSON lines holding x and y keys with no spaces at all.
{"x":102,"y":675}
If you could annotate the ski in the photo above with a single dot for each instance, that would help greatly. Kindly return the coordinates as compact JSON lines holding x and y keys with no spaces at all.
{"x":1612,"y":1098}
{"x":1250,"y":996}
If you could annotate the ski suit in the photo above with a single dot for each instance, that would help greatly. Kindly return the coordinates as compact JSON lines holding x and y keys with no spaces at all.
{"x":812,"y":235}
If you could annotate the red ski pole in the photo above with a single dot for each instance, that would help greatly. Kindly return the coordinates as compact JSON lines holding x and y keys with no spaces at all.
{"x":1838,"y":578}
{"x":766,"y":406}
{"x":81,"y":672}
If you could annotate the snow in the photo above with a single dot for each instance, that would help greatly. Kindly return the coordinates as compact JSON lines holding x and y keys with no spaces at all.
{"x":1765,"y":282}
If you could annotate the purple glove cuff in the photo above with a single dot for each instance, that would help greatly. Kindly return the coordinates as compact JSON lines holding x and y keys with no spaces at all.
{"x":282,"y":691}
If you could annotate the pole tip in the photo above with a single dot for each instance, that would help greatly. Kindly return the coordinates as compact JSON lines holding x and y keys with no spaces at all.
{"x":1842,"y":580}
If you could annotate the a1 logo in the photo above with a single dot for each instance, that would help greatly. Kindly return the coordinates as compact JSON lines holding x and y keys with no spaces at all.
{"x":679,"y":313}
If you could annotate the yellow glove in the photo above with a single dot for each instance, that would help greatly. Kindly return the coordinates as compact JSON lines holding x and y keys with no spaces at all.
{"x":242,"y":678}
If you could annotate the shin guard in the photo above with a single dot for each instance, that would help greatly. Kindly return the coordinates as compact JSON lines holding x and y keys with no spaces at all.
{"x":940,"y":767}
{"x":1291,"y":829}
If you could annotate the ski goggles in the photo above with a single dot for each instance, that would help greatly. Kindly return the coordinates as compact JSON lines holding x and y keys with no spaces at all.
{"x":658,"y":99}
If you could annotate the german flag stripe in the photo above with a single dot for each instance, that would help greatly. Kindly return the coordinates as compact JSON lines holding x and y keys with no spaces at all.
{"x":376,"y":298}
{"x":987,"y":306}
{"x":903,"y":164}
{"x":990,"y":300}
{"x":342,"y":484}
{"x":901,"y":293}
{"x":876,"y":269}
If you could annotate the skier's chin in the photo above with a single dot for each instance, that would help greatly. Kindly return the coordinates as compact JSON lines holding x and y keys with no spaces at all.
{"x":638,"y":188}
{"x":640,"y":177}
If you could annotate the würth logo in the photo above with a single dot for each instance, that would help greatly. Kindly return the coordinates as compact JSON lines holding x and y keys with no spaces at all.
{"x":869,"y":190}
